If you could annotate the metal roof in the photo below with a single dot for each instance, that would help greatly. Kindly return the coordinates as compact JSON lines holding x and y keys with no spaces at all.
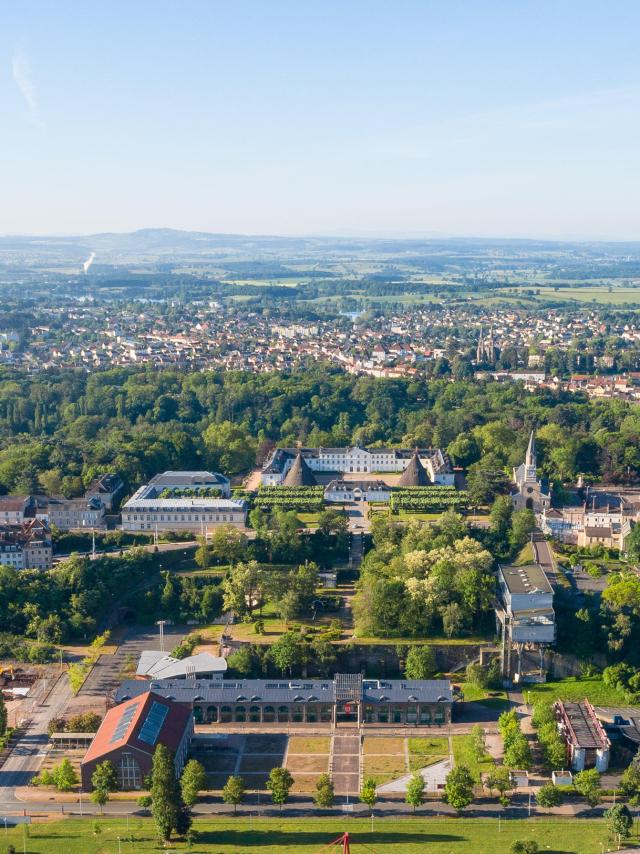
{"x":287,"y":691}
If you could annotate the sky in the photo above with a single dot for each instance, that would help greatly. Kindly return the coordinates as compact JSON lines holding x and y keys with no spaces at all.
{"x":354,"y":117}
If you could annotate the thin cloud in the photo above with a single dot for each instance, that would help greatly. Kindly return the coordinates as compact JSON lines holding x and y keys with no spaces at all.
{"x":22,"y":75}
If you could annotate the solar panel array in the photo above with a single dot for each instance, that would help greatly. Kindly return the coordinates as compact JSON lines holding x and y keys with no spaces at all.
{"x":123,"y":723}
{"x":153,"y":723}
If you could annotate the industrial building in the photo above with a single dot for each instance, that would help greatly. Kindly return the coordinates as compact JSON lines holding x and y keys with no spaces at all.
{"x":588,"y":745}
{"x":525,"y":619}
{"x":345,"y":699}
{"x":129,"y":734}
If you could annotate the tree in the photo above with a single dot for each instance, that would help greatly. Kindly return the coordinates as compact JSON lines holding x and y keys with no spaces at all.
{"x":588,"y":784}
{"x":279,"y":784}
{"x":478,"y":742}
{"x":100,"y":797}
{"x":619,"y":821}
{"x":499,"y":778}
{"x":549,"y":796}
{"x":452,"y":619}
{"x":630,"y":780}
{"x":289,"y":651}
{"x":458,"y":788}
{"x":368,"y":794}
{"x":324,"y":795}
{"x":103,"y":781}
{"x":233,"y":792}
{"x":192,"y":781}
{"x":415,"y":791}
{"x":242,"y":588}
{"x":523,"y":522}
{"x":164,"y":792}
{"x":65,"y":776}
{"x":517,"y":753}
{"x":420,"y":663}
{"x":3,"y":716}
{"x":524,"y":846}
{"x":203,"y":555}
{"x":501,"y":513}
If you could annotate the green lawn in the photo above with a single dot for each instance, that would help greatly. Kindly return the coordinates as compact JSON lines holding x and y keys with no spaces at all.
{"x":577,"y":689}
{"x":308,"y":520}
{"x":462,"y":755}
{"x":308,"y":836}
{"x":526,"y":556}
{"x":493,"y":698}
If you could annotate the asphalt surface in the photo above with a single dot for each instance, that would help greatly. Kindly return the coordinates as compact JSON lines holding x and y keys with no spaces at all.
{"x":26,"y":757}
{"x":104,"y":676}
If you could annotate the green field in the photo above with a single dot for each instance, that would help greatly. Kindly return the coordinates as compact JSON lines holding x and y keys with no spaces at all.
{"x":463,"y":755}
{"x":576,"y":689}
{"x":308,"y":836}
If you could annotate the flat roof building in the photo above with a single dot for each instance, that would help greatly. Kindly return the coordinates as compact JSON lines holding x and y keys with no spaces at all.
{"x":178,"y":501}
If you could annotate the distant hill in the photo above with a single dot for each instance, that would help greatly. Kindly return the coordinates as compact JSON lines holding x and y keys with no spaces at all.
{"x":149,"y":243}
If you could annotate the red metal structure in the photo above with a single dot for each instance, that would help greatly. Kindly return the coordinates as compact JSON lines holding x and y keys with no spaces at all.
{"x":344,"y":842}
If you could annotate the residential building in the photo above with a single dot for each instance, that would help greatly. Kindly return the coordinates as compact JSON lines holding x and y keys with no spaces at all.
{"x":347,"y":698}
{"x":26,"y":546}
{"x":15,"y":509}
{"x":68,"y":514}
{"x":359,"y":460}
{"x":588,"y":745}
{"x":107,"y":489}
{"x":129,"y":734}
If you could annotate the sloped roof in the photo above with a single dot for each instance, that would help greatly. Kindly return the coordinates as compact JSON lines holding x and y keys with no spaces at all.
{"x":414,"y":474}
{"x":300,"y":474}
{"x":157,"y":719}
{"x":159,"y":665}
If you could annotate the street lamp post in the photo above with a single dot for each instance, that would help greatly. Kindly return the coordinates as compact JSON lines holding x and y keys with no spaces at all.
{"x":161,"y":624}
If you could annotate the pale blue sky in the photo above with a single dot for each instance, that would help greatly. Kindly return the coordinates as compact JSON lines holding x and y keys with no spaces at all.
{"x":363,"y":117}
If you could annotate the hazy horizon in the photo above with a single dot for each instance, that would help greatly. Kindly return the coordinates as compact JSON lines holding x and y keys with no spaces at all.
{"x":368,"y":119}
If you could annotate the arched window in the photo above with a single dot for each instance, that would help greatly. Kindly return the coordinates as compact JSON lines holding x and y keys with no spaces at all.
{"x":254,"y":714}
{"x":283,"y":714}
{"x":241,"y":714}
{"x":269,"y":714}
{"x":128,"y":772}
{"x":197,"y":714}
{"x":226,"y":714}
{"x":212,"y":714}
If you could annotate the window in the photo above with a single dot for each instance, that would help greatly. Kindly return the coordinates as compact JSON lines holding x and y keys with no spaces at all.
{"x":226,"y":714}
{"x":269,"y":715}
{"x":283,"y":714}
{"x":254,"y":714}
{"x":212,"y":714}
{"x":241,"y":714}
{"x":128,"y":772}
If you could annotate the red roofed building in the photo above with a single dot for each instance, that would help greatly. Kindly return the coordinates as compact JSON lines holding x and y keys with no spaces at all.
{"x":129,"y":734}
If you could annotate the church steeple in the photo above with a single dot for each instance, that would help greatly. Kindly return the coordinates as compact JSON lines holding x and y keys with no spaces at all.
{"x":530,"y":461}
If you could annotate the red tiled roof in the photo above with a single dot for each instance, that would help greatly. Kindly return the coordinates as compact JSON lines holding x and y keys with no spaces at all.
{"x":137,"y":708}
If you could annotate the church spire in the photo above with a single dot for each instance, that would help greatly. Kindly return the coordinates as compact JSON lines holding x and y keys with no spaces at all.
{"x":530,"y":459}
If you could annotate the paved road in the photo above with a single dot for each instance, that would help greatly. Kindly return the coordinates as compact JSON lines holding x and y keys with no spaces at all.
{"x":26,"y":757}
{"x":104,"y":676}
